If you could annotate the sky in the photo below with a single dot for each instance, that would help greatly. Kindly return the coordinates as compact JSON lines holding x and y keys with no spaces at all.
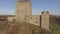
{"x":7,"y":7}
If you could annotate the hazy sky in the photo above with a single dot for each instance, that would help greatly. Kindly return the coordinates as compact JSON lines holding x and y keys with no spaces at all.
{"x":53,"y":6}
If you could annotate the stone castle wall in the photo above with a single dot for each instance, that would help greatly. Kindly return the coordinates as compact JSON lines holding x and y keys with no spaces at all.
{"x":38,"y":20}
{"x":35,"y":19}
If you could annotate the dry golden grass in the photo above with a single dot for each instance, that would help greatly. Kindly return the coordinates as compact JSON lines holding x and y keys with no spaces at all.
{"x":20,"y":28}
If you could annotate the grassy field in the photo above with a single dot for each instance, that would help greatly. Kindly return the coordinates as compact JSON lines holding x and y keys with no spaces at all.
{"x":18,"y":27}
{"x":57,"y":31}
{"x":56,"y":27}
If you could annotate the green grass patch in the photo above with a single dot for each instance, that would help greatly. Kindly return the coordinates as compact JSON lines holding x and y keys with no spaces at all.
{"x":57,"y":31}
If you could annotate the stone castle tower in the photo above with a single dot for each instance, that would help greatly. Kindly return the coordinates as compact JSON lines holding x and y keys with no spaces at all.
{"x":45,"y":20}
{"x":23,"y":10}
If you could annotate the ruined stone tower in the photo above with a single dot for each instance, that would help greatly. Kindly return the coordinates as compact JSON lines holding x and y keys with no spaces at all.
{"x":45,"y":20}
{"x":23,"y":10}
